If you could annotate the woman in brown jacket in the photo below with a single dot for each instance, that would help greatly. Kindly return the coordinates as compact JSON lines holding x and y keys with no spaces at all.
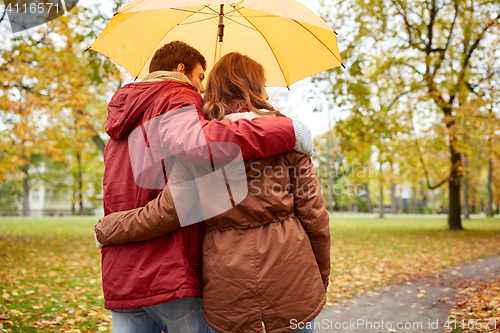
{"x":267,"y":259}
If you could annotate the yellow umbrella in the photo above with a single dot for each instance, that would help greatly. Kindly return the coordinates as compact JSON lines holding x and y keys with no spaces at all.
{"x":286,"y":37}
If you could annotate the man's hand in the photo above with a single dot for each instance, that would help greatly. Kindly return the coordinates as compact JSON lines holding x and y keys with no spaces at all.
{"x":304,"y":141}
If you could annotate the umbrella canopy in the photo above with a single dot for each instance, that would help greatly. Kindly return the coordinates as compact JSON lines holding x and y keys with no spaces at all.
{"x":286,"y":37}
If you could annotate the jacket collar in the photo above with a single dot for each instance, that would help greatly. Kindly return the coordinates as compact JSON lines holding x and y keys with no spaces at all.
{"x":245,"y":115}
{"x":166,"y":75}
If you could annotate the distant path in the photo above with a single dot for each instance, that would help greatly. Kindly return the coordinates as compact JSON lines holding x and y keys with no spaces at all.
{"x":418,"y":216}
{"x":409,"y":304}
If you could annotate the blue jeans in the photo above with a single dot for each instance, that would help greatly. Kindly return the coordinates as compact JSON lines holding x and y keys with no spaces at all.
{"x":179,"y":316}
{"x":300,"y":330}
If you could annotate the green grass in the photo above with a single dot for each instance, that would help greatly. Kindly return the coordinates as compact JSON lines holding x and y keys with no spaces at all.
{"x":50,"y":276}
{"x":50,"y":269}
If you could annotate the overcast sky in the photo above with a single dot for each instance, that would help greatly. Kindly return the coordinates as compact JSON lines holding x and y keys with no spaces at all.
{"x":294,"y":102}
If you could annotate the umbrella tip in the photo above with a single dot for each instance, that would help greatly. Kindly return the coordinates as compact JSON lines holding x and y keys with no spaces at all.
{"x":287,"y":87}
{"x":115,"y":13}
{"x":336,"y":34}
{"x":88,"y":48}
{"x":343,"y":65}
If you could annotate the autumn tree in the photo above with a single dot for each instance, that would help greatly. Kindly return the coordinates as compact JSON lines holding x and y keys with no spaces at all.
{"x":53,"y":96}
{"x":371,"y":92}
{"x":23,"y":101}
{"x":439,"y":47}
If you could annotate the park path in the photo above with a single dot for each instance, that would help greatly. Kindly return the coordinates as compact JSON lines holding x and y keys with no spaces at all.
{"x":421,"y":304}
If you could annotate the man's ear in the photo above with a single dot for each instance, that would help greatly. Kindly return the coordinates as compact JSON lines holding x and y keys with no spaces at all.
{"x":180,"y":68}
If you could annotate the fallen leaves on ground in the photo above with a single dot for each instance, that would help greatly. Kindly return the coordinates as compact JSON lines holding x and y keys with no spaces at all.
{"x":50,"y":277}
{"x":50,"y":274}
{"x":477,"y":309}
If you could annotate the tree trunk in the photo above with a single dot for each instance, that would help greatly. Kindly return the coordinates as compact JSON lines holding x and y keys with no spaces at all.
{"x":73,"y":200}
{"x":80,"y":184}
{"x":489,"y":208}
{"x":454,"y":218}
{"x":393,"y":199}
{"x":26,"y":193}
{"x":332,"y":197}
{"x":433,"y":201}
{"x":414,"y":200}
{"x":400,"y":203}
{"x":423,"y":193}
{"x":368,"y":200}
{"x":381,"y":201}
{"x":465,"y":208}
{"x":82,"y":211}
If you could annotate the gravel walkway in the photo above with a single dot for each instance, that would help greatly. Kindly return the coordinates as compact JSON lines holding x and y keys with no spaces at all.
{"x":418,"y":306}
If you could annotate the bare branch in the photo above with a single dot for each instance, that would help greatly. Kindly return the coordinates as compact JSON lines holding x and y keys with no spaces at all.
{"x":430,"y":28}
{"x":443,"y":50}
{"x":472,"y":87}
{"x":398,"y":97}
{"x":409,"y":27}
{"x":3,"y":15}
{"x":95,"y":136}
{"x":469,"y":52}
{"x":412,"y":67}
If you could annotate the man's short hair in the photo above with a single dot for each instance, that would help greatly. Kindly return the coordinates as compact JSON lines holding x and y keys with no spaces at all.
{"x":170,"y":55}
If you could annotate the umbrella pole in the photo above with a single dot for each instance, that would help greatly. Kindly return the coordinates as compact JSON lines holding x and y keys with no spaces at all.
{"x":220,"y":32}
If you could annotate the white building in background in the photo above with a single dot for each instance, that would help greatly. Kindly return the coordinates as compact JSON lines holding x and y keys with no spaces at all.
{"x":45,"y":201}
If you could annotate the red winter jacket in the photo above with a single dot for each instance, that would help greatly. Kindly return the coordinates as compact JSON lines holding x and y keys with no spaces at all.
{"x":168,"y":267}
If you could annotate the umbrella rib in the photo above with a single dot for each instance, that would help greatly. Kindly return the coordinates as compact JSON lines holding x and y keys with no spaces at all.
{"x":193,"y":12}
{"x":229,"y":16}
{"x":260,"y":15}
{"x":231,"y":13}
{"x":274,"y":54}
{"x":213,"y":10}
{"x":246,"y":26}
{"x":319,"y":40}
{"x":188,"y":10}
{"x":205,"y":19}
{"x":215,"y":14}
{"x":236,"y":10}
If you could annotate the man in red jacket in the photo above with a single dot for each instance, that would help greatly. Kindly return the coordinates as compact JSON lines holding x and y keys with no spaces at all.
{"x":156,"y":285}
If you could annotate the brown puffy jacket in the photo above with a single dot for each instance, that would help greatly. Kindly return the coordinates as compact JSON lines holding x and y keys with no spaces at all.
{"x":267,"y":258}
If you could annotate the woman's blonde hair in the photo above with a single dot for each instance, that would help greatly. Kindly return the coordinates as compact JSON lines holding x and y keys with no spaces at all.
{"x":234,"y":84}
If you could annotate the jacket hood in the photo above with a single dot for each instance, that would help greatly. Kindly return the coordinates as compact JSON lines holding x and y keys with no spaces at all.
{"x":131,"y":101}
